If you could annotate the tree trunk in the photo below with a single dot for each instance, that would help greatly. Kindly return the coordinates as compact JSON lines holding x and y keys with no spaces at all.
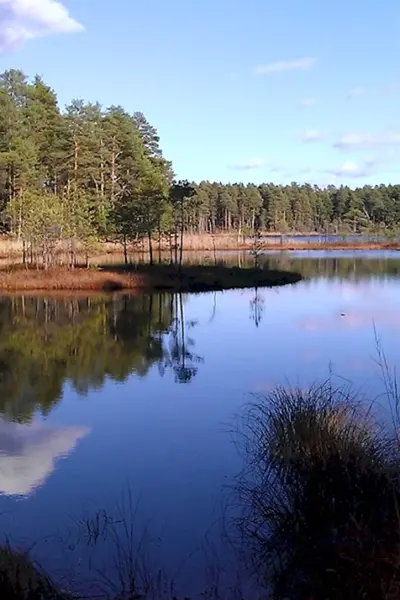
{"x":113,"y":173}
{"x":72,"y":254}
{"x":150,"y":248}
{"x":20,"y":217}
{"x":171,"y":254}
{"x":125,"y":250}
{"x":102,"y":179}
{"x":76,"y":154}
{"x":176,"y":243}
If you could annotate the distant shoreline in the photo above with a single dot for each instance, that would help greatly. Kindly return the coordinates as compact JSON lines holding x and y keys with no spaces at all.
{"x":334,"y":246}
{"x":11,"y":251}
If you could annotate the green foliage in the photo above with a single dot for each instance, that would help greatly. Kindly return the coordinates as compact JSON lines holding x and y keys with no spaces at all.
{"x":86,"y":173}
{"x":104,"y":176}
{"x":180,"y":195}
{"x":257,"y":247}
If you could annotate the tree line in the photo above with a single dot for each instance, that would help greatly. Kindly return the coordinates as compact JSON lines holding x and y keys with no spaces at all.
{"x":86,"y":174}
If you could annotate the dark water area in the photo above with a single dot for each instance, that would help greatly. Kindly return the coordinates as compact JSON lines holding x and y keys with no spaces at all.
{"x":130,"y":400}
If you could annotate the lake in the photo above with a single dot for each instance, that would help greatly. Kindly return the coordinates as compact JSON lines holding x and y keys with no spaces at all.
{"x":127,"y":403}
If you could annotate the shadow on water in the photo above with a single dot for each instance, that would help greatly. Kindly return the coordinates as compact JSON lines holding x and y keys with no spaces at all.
{"x":48,"y":342}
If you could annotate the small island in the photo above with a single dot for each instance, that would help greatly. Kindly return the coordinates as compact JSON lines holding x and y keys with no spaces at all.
{"x":144,"y":277}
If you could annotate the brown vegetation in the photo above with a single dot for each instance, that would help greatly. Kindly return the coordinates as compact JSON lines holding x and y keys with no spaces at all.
{"x":222,"y":241}
{"x":141,"y":277}
{"x":11,"y":249}
{"x":294,"y":246}
{"x":320,"y":496}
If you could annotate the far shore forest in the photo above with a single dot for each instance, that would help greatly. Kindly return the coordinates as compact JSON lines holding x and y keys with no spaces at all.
{"x":87,"y":174}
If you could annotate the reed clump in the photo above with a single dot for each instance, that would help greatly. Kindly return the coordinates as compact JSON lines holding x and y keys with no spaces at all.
{"x":319,"y":497}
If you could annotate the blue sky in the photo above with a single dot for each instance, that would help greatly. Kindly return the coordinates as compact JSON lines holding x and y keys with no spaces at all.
{"x":255,"y":90}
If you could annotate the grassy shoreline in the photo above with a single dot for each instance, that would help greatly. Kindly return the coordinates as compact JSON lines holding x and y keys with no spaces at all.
{"x":114,"y":278}
{"x":11,"y":250}
{"x":294,"y":246}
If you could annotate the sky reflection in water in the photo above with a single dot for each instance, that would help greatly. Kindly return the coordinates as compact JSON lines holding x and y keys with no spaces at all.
{"x":145,"y":390}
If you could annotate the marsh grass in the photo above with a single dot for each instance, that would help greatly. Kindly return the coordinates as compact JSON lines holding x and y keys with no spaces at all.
{"x":123,"y":568}
{"x":319,"y":496}
{"x":22,"y":579}
{"x":12,"y":251}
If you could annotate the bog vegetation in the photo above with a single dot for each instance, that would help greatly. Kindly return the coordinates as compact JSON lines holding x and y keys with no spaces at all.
{"x":319,"y":496}
{"x":84,"y":174}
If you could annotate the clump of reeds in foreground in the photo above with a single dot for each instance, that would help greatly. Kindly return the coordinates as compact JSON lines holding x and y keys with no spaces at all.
{"x":320,"y":497}
{"x":21,"y":579}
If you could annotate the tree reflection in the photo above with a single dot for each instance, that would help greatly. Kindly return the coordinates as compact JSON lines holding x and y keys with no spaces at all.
{"x":182,"y":359}
{"x":344,"y":268}
{"x":48,"y":342}
{"x":256,"y":307}
{"x":356,"y":267}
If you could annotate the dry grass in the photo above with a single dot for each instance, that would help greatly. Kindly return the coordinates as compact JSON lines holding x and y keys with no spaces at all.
{"x":219,"y":241}
{"x":62,"y":278}
{"x":142,"y":277}
{"x":225,"y":241}
{"x":222,"y":241}
{"x":11,"y":249}
{"x":332,"y":246}
{"x":320,"y":497}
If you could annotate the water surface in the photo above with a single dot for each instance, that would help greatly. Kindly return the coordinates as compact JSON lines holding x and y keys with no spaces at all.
{"x":108,"y":394}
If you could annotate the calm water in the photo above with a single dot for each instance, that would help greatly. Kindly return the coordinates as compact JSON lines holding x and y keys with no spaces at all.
{"x":134,"y":396}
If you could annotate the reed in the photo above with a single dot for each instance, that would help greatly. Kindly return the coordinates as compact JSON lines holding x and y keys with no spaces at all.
{"x":319,"y":497}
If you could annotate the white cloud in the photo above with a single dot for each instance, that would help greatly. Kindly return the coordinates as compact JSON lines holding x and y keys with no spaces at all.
{"x":22,"y":20}
{"x":367,"y":141}
{"x":256,"y":162}
{"x":313,"y":135}
{"x":355,"y":93}
{"x":251,"y":163}
{"x":307,"y":102}
{"x":285,"y":65}
{"x":28,"y":454}
{"x":354,"y":170}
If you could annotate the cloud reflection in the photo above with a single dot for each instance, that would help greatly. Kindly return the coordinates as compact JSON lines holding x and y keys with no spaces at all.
{"x":28,"y":454}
